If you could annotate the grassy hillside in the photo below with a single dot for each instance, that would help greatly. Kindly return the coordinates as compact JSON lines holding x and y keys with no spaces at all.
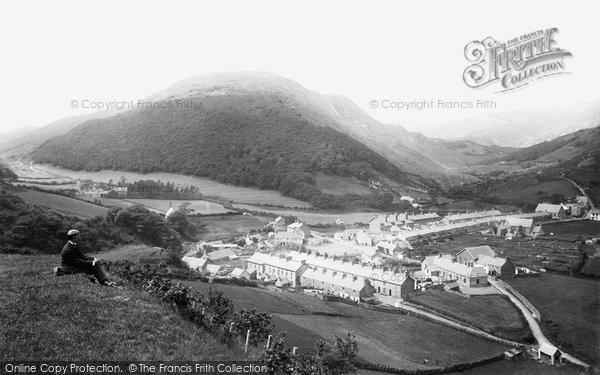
{"x":244,"y":140}
{"x":68,"y":318}
{"x":579,"y":148}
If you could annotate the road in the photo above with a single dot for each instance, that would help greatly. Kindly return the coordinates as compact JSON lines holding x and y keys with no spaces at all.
{"x":533,"y":324}
{"x":580,"y":189}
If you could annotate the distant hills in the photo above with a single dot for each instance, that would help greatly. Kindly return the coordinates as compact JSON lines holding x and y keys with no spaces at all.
{"x":25,"y":140}
{"x":519,"y":128}
{"x":263,"y":130}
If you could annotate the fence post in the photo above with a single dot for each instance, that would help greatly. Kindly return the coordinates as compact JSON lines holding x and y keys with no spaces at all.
{"x":247,"y":341}
{"x":269,"y":341}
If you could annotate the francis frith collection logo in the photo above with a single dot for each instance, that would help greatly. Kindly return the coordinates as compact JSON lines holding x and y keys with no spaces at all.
{"x":515,"y":63}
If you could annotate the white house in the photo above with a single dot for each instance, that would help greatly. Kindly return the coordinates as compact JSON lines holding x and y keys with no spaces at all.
{"x":277,"y":266}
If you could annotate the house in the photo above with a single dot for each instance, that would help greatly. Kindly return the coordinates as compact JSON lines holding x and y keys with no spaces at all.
{"x":240,"y":273}
{"x":537,"y":217}
{"x":197,"y":264}
{"x":557,"y":210}
{"x":496,"y":266}
{"x":221,"y":255}
{"x":276,"y":266}
{"x":277,"y":225}
{"x":423,"y":217}
{"x":385,"y":280}
{"x":286,"y":238}
{"x":594,"y":214}
{"x":370,"y":255}
{"x":549,"y":354}
{"x":338,"y":283}
{"x":465,"y":276}
{"x":387,"y":247}
{"x":364,"y":239}
{"x":299,"y":227}
{"x":378,"y":225}
{"x":469,"y":255}
{"x":517,"y":226}
{"x":428,"y":266}
{"x":214,"y":269}
{"x":466,"y":217}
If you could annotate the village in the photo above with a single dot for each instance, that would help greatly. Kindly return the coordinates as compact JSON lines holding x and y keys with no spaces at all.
{"x":383,"y":264}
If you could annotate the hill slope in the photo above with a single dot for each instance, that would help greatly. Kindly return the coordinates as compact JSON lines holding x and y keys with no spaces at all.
{"x":54,"y":318}
{"x":239,"y":139}
{"x":578,"y":149}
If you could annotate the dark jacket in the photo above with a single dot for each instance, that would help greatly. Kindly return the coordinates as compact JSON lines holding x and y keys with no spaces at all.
{"x":73,"y":258}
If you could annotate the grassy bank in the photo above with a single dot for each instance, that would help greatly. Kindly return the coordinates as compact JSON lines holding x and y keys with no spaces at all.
{"x":44,"y":317}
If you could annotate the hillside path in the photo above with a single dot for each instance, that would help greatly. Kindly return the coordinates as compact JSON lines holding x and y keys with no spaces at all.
{"x":580,"y":188}
{"x":533,"y":324}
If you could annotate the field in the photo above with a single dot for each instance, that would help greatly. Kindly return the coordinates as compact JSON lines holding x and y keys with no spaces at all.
{"x":198,"y":206}
{"x":536,"y":193}
{"x":61,"y":203}
{"x":491,"y":313}
{"x":46,"y":187}
{"x":570,"y":309}
{"x":396,"y":340}
{"x":313,"y":217}
{"x":580,"y":227}
{"x":44,"y":317}
{"x":206,"y":186}
{"x":227,"y":226}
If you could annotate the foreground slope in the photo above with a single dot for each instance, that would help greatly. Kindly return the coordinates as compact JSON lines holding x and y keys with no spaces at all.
{"x":44,"y":317}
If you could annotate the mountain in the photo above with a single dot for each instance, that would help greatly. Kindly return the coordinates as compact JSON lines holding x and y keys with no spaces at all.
{"x":580,"y":149}
{"x":26,"y":140}
{"x":450,"y":154}
{"x":521,"y":128}
{"x":8,"y":137}
{"x":247,"y":129}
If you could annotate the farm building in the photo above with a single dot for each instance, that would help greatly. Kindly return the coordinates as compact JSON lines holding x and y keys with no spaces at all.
{"x":466,"y":217}
{"x":549,"y":354}
{"x":594,"y":214}
{"x":465,"y":276}
{"x":557,"y":210}
{"x":278,"y":266}
{"x":496,"y":266}
{"x":469,"y":255}
{"x":338,"y":283}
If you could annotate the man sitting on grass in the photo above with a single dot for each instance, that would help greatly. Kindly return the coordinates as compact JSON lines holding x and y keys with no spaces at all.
{"x":73,"y":261}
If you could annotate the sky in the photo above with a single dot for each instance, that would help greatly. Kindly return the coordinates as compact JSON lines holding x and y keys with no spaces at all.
{"x":399,"y":51}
